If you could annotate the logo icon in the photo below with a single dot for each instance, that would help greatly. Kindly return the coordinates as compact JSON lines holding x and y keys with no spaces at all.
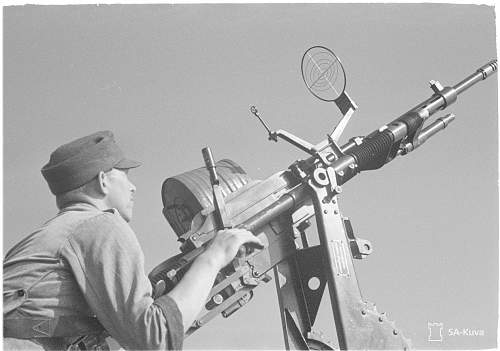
{"x":435,"y":331}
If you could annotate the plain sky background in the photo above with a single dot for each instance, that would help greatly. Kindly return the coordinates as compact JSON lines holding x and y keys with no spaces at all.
{"x":171,"y":79}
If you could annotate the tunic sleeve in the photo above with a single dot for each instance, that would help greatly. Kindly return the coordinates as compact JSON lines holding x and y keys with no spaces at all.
{"x":108,"y":264}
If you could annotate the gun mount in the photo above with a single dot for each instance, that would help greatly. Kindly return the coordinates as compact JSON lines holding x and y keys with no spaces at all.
{"x":279,"y":209}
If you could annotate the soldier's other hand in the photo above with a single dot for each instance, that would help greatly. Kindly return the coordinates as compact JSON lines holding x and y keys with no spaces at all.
{"x":227,"y":243}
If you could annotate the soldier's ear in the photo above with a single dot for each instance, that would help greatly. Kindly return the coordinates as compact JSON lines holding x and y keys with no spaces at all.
{"x":102,"y":183}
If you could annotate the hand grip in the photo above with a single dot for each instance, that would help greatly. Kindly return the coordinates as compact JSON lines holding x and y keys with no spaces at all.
{"x":210,"y":165}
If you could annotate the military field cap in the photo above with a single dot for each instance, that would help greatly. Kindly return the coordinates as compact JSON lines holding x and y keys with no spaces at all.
{"x":73,"y":164}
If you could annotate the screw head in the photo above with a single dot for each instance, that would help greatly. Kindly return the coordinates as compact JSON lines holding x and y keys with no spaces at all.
{"x":217,"y":299}
{"x":171,"y":273}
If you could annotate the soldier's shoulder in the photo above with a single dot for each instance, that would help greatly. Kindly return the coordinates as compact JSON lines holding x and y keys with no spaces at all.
{"x":103,"y":229}
{"x":108,"y":221}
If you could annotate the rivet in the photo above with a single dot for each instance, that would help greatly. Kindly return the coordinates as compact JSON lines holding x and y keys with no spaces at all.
{"x":171,"y":273}
{"x":217,"y":299}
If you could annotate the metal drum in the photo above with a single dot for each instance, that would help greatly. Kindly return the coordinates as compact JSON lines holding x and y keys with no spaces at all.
{"x":188,"y":193}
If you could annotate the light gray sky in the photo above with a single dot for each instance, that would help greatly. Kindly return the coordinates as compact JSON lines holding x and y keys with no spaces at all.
{"x":171,"y":79}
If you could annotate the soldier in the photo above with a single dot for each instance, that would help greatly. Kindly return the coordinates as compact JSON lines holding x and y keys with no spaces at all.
{"x":80,"y":276}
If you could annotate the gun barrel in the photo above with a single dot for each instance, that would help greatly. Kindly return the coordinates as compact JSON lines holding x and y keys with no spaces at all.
{"x":285,"y":203}
{"x":382,"y":145}
{"x":481,"y":74}
{"x":448,"y":95}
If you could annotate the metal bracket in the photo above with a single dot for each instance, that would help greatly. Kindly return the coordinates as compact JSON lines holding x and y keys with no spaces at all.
{"x":283,"y":134}
{"x":294,"y":140}
{"x":347,"y":106}
{"x":360,"y":248}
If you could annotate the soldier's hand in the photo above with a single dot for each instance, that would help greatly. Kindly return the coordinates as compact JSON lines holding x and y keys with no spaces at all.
{"x":227,"y":243}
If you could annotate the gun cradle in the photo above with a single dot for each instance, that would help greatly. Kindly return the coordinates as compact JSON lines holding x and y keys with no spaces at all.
{"x":281,"y":227}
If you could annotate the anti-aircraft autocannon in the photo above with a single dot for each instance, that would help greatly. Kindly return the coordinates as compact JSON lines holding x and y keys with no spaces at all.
{"x":279,"y":210}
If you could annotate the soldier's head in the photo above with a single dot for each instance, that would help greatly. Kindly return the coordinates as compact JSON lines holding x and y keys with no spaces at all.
{"x":92,"y":169}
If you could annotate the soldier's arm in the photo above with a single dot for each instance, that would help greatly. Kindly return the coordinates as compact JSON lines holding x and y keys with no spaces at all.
{"x":192,"y":291}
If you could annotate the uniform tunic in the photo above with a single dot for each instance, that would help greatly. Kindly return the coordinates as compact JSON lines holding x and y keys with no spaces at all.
{"x":88,"y":262}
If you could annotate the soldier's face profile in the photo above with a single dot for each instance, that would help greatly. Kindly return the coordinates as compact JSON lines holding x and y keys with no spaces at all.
{"x":120,"y":192}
